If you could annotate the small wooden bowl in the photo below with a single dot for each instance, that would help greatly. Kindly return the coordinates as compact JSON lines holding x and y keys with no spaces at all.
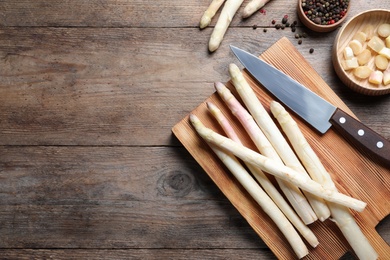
{"x":317,"y":27}
{"x":356,"y":24}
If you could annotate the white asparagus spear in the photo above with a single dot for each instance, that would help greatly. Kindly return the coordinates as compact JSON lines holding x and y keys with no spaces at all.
{"x":274,"y":135}
{"x":352,"y":232}
{"x":263,"y":180}
{"x":340,"y":214}
{"x":247,"y":121}
{"x":304,"y":151}
{"x":228,"y":11}
{"x":270,"y":166}
{"x":210,"y":12}
{"x":263,"y":200}
{"x":252,"y":7}
{"x":293,"y":194}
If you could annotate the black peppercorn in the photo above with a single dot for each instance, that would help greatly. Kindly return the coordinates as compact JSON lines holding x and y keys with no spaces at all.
{"x":317,"y":20}
{"x":311,"y":50}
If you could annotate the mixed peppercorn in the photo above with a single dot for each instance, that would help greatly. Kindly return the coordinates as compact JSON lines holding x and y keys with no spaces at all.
{"x":325,"y":12}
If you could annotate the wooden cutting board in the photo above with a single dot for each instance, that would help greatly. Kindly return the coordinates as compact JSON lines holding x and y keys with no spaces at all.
{"x":352,"y":170}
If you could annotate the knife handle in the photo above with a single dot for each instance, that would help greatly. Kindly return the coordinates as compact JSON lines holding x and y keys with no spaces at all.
{"x":361,"y":135}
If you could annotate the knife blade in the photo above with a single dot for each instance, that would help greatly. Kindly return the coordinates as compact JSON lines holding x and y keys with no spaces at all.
{"x":312,"y":108}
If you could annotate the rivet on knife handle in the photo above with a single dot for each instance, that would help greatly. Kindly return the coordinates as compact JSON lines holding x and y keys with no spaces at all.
{"x":361,"y":135}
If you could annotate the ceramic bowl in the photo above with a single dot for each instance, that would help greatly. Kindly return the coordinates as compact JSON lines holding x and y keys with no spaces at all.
{"x":360,"y":22}
{"x":318,"y":27}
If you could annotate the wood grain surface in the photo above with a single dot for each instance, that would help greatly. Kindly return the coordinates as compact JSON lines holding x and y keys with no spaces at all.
{"x":89,"y":93}
{"x":353,"y":172}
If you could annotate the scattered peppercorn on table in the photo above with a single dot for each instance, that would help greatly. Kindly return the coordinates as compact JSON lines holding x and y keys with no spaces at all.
{"x":90,"y":91}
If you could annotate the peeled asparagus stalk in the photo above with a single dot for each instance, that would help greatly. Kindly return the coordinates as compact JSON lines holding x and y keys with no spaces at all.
{"x":247,"y":121}
{"x":299,"y":143}
{"x":275,"y":137}
{"x":228,"y":11}
{"x":340,"y":214}
{"x":293,"y":194}
{"x":274,"y":168}
{"x":253,"y":6}
{"x":210,"y":12}
{"x":263,"y":200}
{"x":352,"y":232}
{"x":263,"y":180}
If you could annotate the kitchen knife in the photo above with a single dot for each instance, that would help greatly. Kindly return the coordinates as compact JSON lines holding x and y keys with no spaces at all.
{"x":318,"y":112}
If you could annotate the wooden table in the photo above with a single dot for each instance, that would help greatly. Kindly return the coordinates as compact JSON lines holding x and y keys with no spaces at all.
{"x":89,"y":92}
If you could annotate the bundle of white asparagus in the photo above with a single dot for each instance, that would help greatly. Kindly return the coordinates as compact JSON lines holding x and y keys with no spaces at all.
{"x":307,"y":186}
{"x":228,"y":12}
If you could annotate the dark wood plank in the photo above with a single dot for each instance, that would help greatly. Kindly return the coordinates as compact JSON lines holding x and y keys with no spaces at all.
{"x":143,"y":224}
{"x":112,"y":13}
{"x":50,"y":175}
{"x":112,"y":197}
{"x":186,"y":254}
{"x":140,"y":13}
